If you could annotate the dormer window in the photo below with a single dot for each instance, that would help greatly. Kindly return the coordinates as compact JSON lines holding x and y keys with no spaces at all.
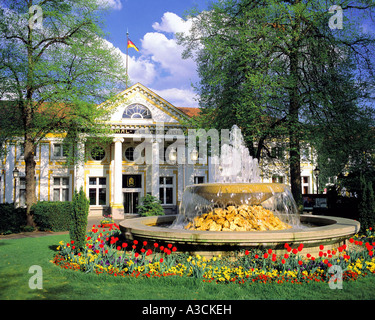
{"x":136,"y":111}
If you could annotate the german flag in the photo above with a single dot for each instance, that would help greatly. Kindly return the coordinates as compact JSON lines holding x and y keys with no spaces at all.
{"x":132,"y":45}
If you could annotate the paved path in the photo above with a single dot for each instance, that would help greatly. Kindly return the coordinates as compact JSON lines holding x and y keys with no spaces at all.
{"x":93,"y":220}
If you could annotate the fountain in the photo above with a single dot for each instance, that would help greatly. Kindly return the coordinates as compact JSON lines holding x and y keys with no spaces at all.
{"x":235,"y":200}
{"x":235,"y":210}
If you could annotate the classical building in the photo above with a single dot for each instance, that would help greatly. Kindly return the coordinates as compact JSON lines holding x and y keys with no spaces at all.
{"x":148,"y":154}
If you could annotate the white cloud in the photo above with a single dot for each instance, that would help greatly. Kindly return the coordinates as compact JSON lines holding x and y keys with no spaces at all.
{"x":167,"y":53}
{"x":159,"y":64}
{"x":140,"y":69}
{"x":172,"y":23}
{"x":179,"y":97}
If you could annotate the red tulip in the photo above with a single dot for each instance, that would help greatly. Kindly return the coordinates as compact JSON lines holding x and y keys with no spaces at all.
{"x":247,"y":252}
{"x":145,"y":243}
{"x":269,"y":251}
{"x":321,"y":247}
{"x":156,"y":245}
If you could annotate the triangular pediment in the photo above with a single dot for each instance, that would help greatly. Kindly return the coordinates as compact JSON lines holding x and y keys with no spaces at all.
{"x":160,"y":109}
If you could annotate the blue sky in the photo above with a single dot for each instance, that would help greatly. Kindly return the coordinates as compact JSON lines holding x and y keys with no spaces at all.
{"x":158,"y":64}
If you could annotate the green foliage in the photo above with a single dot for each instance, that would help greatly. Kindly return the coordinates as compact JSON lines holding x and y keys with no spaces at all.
{"x":52,"y":215}
{"x":79,"y":214}
{"x":366,"y":205}
{"x":278,"y":71}
{"x":150,"y":206}
{"x":55,"y":76}
{"x":11,"y":219}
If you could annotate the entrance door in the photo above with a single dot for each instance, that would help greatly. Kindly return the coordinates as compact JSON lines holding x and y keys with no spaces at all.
{"x":131,"y":202}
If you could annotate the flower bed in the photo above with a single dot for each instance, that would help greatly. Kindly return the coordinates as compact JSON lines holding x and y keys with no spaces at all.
{"x":107,"y":252}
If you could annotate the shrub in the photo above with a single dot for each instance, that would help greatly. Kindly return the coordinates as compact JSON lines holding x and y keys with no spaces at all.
{"x":52,"y":215}
{"x":11,"y":219}
{"x":150,"y":206}
{"x":79,"y":214}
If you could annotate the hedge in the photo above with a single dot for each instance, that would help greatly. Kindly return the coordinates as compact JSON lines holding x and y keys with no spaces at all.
{"x":11,"y":220}
{"x":52,"y":215}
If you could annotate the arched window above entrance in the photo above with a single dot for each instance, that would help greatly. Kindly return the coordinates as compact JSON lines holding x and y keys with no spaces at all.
{"x":136,"y":111}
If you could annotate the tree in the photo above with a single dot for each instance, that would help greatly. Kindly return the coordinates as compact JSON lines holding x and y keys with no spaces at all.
{"x":78,"y":221}
{"x":366,"y":206}
{"x":150,"y":206}
{"x":273,"y":67}
{"x":54,"y":70}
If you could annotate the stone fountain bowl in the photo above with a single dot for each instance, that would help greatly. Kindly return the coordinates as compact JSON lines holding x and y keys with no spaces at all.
{"x":329,"y":231}
{"x":252,"y":193}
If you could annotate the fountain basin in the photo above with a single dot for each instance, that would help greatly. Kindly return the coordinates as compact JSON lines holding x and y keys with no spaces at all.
{"x":324,"y":230}
{"x":254,"y":193}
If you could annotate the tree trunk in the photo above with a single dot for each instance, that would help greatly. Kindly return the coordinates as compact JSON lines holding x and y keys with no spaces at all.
{"x":294,"y":132}
{"x":30,"y":178}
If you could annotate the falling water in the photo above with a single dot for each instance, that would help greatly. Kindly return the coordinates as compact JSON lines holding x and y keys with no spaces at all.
{"x":235,"y":164}
{"x":236,"y":169}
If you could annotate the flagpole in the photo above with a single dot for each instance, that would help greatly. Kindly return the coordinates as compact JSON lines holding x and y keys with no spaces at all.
{"x":127,"y":57}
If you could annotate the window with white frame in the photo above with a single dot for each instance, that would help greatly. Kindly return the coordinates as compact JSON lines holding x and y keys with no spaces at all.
{"x":166,"y":190}
{"x":22,"y":190}
{"x":21,"y":151}
{"x":61,"y":189}
{"x":59,"y":151}
{"x":199,"y":179}
{"x":277,"y":179}
{"x":98,"y":191}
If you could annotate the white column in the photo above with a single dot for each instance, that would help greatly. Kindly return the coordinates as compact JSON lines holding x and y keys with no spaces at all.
{"x":155,"y":169}
{"x":117,"y":205}
{"x":80,"y":166}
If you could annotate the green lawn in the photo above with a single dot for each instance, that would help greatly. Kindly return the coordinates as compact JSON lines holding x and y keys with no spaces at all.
{"x":16,"y":257}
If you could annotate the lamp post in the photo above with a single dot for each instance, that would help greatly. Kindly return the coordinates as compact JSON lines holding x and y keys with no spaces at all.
{"x":16,"y":174}
{"x":316,"y":174}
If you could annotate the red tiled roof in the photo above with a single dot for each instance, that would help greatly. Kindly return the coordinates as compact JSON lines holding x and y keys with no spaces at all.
{"x":190,"y":112}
